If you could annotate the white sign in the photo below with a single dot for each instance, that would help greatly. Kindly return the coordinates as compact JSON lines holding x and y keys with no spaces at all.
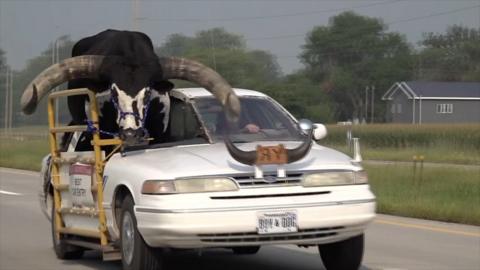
{"x":81,"y":185}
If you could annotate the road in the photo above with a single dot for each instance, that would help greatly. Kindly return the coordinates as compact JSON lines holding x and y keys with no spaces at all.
{"x":391,"y":242}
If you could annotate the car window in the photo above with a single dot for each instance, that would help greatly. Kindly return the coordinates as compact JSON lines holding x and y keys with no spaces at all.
{"x":184,"y":124}
{"x":272,"y":121}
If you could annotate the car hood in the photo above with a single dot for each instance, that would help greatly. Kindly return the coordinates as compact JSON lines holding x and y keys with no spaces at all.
{"x":214,"y":159}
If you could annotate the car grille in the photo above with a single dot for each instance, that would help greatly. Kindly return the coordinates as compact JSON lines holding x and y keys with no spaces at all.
{"x":255,"y":237}
{"x":268,"y":180}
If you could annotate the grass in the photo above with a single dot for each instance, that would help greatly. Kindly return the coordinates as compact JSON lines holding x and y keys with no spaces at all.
{"x":23,"y":153}
{"x":437,"y":193}
{"x":458,"y":144}
{"x":463,"y":136}
{"x":439,"y":154}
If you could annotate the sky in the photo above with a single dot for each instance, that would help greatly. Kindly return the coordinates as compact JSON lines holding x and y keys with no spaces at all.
{"x":27,"y":27}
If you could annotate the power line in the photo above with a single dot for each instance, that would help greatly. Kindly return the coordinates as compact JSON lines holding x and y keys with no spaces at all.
{"x":433,"y":15}
{"x":388,"y":23}
{"x":247,"y":18}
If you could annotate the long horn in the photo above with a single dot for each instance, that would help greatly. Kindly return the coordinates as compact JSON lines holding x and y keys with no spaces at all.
{"x":86,"y":66}
{"x":302,"y":150}
{"x":193,"y":71}
{"x":250,"y":157}
{"x":245,"y":157}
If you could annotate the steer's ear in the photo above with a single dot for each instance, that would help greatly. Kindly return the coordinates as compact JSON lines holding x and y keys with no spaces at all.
{"x":163,"y":86}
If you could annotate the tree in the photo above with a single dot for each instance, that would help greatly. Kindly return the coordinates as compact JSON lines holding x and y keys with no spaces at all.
{"x":302,"y":97}
{"x":34,"y":67}
{"x":227,"y":54}
{"x":218,"y":38}
{"x":353,"y":52}
{"x":452,"y":56}
{"x":176,"y":45}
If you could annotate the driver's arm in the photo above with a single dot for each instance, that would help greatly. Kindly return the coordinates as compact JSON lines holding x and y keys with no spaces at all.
{"x":251,"y":128}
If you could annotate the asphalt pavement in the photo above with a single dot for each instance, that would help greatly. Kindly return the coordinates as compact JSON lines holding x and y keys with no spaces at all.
{"x":392,"y":243}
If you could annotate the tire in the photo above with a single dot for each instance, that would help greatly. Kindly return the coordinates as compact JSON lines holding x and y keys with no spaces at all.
{"x":62,"y":250}
{"x":136,"y":254}
{"x":343,"y":255}
{"x":249,"y":250}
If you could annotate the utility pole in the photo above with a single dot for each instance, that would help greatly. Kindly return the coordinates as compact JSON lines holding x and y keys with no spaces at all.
{"x":10,"y":116}
{"x":366,"y":103}
{"x":135,"y":18}
{"x":212,"y":41}
{"x":55,"y":59}
{"x":373,"y":102}
{"x":7,"y":99}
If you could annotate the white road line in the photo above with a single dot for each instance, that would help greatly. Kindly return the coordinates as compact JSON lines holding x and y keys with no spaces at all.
{"x":9,"y":193}
{"x":17,"y":171}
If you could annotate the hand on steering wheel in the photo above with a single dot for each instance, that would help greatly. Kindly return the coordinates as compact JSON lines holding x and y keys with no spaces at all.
{"x":251,"y":128}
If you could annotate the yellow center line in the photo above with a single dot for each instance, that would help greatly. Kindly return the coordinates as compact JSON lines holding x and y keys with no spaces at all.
{"x":426,"y":227}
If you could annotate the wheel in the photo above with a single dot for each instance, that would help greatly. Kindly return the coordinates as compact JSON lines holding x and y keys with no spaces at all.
{"x":246,"y":250}
{"x":136,"y":254}
{"x":62,"y":250}
{"x":343,"y":255}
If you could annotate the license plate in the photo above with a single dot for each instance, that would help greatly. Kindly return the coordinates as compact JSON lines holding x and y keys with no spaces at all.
{"x":276,"y":222}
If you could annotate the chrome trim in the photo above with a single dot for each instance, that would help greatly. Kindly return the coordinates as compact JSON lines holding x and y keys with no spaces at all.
{"x":240,"y":197}
{"x":249,"y":181}
{"x":229,"y":209}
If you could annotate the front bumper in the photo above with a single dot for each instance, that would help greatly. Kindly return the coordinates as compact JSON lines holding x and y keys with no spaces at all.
{"x":319,"y":221}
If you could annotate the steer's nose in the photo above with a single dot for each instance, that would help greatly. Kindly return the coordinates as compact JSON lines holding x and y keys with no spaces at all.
{"x":131,"y":134}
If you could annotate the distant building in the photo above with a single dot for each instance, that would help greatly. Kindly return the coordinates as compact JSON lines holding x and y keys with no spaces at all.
{"x":420,"y":102}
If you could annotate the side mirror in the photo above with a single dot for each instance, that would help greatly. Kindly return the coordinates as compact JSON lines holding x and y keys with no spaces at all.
{"x":305,"y":125}
{"x":319,"y":130}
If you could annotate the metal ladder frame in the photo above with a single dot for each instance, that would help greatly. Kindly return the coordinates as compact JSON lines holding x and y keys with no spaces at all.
{"x":99,"y":164}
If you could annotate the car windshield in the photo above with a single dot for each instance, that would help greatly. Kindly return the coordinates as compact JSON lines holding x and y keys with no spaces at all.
{"x":260,"y":120}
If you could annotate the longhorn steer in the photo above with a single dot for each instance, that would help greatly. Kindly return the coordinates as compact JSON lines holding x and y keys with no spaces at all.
{"x":125,"y":64}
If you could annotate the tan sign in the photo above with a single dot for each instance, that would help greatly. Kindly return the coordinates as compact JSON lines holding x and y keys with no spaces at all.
{"x":271,"y":155}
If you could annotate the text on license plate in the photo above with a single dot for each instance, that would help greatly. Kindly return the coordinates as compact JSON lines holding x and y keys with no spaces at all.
{"x":276,"y":222}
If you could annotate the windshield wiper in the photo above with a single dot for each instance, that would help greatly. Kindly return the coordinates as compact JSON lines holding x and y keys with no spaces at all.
{"x":240,"y":141}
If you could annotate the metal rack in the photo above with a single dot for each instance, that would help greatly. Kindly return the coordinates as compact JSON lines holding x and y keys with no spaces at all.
{"x":98,"y":162}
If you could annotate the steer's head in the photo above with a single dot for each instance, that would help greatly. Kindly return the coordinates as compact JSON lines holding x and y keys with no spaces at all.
{"x":132,"y":108}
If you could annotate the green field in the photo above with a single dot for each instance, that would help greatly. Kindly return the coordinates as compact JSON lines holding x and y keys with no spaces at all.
{"x":440,"y":193}
{"x":458,"y":144}
{"x":22,"y":152}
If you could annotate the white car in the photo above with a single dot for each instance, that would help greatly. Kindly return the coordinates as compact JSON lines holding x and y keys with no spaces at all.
{"x":189,"y":192}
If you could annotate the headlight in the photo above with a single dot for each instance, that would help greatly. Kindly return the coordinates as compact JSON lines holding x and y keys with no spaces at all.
{"x":335,"y":178}
{"x":188,"y":185}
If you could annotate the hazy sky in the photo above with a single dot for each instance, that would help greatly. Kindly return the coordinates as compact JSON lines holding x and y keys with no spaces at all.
{"x":28,"y":27}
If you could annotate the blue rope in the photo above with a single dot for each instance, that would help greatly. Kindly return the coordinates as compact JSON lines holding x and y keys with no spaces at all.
{"x":92,"y":129}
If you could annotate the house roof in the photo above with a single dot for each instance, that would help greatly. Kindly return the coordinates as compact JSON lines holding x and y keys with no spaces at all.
{"x":436,"y":90}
